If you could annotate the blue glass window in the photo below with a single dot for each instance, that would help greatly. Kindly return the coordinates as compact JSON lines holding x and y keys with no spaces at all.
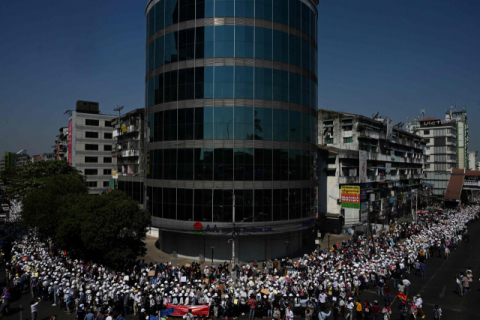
{"x":243,"y":123}
{"x":263,"y":124}
{"x":295,"y":126}
{"x":223,"y":125}
{"x":280,"y":125}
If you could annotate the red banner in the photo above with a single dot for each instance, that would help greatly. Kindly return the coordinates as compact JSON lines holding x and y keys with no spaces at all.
{"x":180,"y":311}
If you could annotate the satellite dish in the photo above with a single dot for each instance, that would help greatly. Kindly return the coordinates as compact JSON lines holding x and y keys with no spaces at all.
{"x":118,"y":108}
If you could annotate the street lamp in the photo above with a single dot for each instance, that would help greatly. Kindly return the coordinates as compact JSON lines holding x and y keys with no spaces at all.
{"x":233,"y":230}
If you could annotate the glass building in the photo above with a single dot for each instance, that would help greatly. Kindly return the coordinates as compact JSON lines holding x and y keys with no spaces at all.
{"x":231,"y":100}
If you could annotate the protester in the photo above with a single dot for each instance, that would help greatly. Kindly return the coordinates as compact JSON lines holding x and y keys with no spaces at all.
{"x":305,"y":286}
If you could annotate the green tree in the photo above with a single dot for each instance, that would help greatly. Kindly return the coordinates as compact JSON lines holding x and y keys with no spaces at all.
{"x":41,"y":206}
{"x":109,"y":228}
{"x":32,"y":176}
{"x":7,"y":174}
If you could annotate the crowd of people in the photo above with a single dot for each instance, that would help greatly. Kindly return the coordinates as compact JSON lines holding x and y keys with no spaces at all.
{"x":325,"y":283}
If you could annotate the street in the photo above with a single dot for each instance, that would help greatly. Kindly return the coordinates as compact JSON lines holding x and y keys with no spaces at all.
{"x":438,"y":288}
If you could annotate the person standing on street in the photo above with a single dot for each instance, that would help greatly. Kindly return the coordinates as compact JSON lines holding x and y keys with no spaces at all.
{"x":359,"y":309}
{"x":407,"y":284}
{"x":423,"y":269}
{"x":34,"y":308}
{"x":419,"y":305}
{"x":465,"y":284}
{"x":459,"y":285}
{"x":437,"y":313}
{"x":447,"y":252}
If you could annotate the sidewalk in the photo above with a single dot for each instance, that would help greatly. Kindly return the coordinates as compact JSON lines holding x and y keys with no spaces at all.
{"x":155,"y":255}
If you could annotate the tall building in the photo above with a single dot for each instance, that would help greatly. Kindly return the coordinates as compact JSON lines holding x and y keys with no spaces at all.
{"x":459,"y":118}
{"x":15,"y":159}
{"x":89,"y":146}
{"x":231,"y":102}
{"x":441,"y":139}
{"x":472,"y":160}
{"x":369,"y":170}
{"x":128,"y":149}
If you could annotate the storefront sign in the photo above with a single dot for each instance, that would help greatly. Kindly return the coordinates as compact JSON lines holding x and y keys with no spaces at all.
{"x":351,"y":197}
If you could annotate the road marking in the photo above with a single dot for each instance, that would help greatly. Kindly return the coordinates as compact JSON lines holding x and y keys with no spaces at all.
{"x":426,"y":284}
{"x":442,"y":294}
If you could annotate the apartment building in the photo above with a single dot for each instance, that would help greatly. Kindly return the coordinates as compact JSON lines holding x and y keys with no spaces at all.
{"x":368,"y":169}
{"x":128,"y":149}
{"x":89,"y":146}
{"x":442,"y":149}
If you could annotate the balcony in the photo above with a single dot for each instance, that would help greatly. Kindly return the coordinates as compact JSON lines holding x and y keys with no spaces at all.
{"x":347,"y":180}
{"x":126,"y":129}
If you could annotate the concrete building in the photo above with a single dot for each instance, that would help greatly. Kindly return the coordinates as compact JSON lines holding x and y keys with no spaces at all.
{"x":473,"y":161}
{"x":368,"y":170}
{"x":231,"y":105}
{"x":61,"y":144}
{"x":15,"y":159}
{"x":442,"y":150}
{"x":129,"y":150}
{"x":89,"y":146}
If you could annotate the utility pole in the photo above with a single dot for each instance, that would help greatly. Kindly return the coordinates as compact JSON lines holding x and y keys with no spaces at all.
{"x":233,"y":232}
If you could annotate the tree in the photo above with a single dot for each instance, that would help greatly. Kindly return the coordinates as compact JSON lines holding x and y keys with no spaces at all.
{"x":7,"y":174}
{"x":110,"y":228}
{"x":41,"y":206}
{"x":34,"y":175}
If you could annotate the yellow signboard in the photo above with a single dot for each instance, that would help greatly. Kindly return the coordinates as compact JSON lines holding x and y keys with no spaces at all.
{"x":351,"y":197}
{"x":124,"y":128}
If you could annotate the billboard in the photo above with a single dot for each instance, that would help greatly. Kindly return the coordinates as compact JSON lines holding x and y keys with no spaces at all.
{"x":362,"y":173}
{"x":70,"y":141}
{"x":351,"y":197}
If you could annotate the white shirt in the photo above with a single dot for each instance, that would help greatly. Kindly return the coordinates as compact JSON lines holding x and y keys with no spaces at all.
{"x":34,"y":307}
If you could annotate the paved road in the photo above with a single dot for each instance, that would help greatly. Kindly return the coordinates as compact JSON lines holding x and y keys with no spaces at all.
{"x":438,"y":288}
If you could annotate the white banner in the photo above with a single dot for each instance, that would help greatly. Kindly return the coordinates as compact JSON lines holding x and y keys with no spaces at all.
{"x":362,"y":157}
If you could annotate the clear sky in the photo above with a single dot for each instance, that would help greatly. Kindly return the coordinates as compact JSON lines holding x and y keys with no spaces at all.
{"x":392,"y":56}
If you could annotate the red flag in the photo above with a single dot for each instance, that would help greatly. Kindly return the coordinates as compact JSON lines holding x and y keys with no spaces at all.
{"x":402,"y":296}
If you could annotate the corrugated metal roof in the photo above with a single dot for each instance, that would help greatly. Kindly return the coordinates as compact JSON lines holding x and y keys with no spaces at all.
{"x":455,"y":185}
{"x":472,"y":173}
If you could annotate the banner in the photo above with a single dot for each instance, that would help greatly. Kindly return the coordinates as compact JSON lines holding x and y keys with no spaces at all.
{"x":351,"y":197}
{"x":180,"y":311}
{"x":362,"y":173}
{"x":389,"y":128}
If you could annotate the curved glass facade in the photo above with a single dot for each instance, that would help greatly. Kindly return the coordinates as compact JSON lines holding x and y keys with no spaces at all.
{"x":231,"y":109}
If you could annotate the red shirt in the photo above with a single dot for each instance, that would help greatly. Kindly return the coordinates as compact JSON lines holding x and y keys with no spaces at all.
{"x":387,"y":290}
{"x":375,"y":309}
{"x":252,"y":303}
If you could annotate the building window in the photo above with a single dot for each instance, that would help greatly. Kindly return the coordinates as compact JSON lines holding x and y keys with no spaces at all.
{"x":91,"y":147}
{"x":427,"y":166}
{"x":426,"y":132}
{"x":107,"y":159}
{"x":331,"y":173}
{"x":91,"y":159}
{"x":91,"y":172}
{"x":347,"y":140}
{"x":329,"y":141}
{"x":108,"y":124}
{"x":106,"y":183}
{"x":107,"y":135}
{"x":107,"y":172}
{"x":91,"y":184}
{"x":92,"y":122}
{"x":107,"y":147}
{"x":91,"y":134}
